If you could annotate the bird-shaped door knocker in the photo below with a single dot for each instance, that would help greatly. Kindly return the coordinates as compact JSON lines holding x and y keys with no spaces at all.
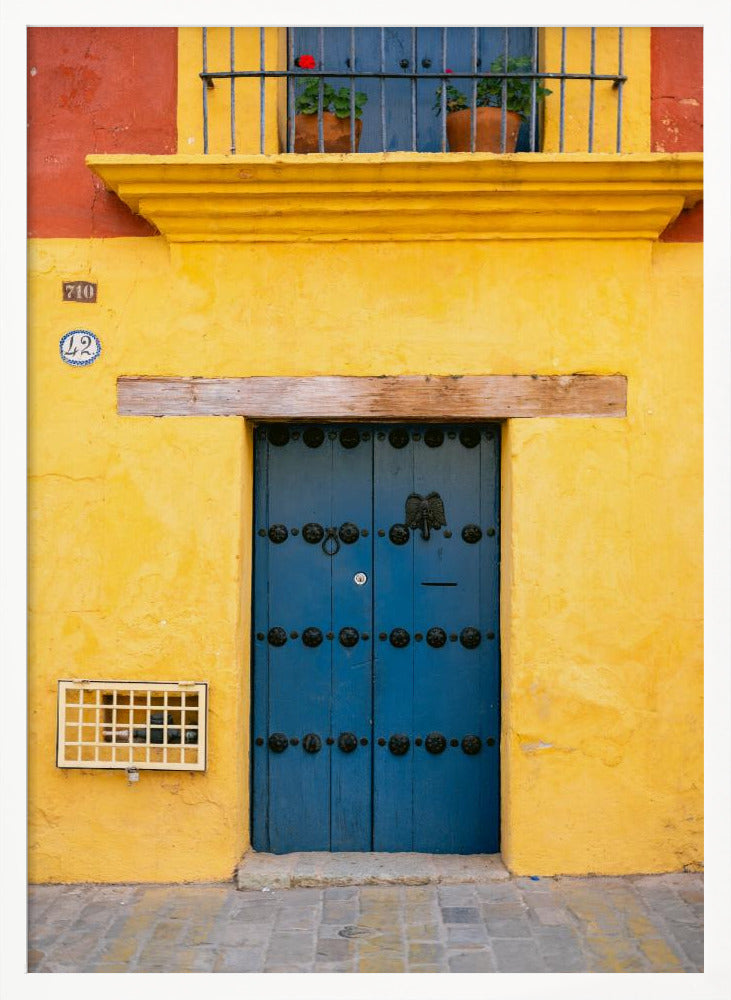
{"x":425,"y":513}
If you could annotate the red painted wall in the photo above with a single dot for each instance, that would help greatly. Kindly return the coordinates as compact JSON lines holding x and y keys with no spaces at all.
{"x":677,"y":109}
{"x":94,"y":90}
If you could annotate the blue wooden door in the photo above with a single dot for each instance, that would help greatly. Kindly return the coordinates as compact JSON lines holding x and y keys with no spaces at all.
{"x":376,"y":652}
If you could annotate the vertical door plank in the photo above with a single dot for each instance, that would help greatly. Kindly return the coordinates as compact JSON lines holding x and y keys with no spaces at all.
{"x":352,"y":665}
{"x":260,"y":656}
{"x":299,"y":676}
{"x":489,"y":691}
{"x":447,"y":678}
{"x":393,"y":666}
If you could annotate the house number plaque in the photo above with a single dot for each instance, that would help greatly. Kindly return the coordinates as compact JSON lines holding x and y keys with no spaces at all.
{"x":80,"y":347}
{"x":79,"y":291}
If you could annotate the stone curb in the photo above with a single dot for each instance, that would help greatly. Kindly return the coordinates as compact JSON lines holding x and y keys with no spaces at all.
{"x":319,"y":868}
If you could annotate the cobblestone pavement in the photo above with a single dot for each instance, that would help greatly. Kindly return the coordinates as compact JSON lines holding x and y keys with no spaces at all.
{"x":651,"y":923}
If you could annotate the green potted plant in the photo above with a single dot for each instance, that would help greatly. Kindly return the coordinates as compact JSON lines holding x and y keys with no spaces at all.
{"x":336,"y":113}
{"x":488,"y":128}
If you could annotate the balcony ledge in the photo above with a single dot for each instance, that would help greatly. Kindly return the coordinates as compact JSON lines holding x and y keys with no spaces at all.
{"x":379,"y":197}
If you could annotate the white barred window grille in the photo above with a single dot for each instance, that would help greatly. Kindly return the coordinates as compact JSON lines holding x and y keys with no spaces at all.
{"x":126,"y":724}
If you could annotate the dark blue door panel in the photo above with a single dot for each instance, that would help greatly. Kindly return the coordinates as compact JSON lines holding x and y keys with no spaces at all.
{"x":293,"y":687}
{"x":375,"y":646}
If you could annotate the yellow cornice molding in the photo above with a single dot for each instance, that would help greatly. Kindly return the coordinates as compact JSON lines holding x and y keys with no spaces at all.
{"x":405,"y":196}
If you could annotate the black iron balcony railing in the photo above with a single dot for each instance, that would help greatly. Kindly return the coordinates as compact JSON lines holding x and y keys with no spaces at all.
{"x":411,"y":75}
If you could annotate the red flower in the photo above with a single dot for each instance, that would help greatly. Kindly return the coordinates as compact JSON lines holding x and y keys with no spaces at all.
{"x":448,"y":71}
{"x":306,"y":62}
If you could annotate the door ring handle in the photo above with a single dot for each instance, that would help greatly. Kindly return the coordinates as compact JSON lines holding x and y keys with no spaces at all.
{"x":331,"y":535}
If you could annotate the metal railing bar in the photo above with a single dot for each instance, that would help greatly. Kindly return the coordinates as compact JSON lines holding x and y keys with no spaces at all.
{"x":620,"y":69}
{"x":262,"y":92}
{"x":562,"y":112}
{"x":232,"y":60}
{"x":533,"y":103}
{"x":527,"y":75}
{"x":413,"y":90}
{"x":352,"y":90}
{"x":591,"y":91}
{"x":321,"y":92}
{"x":232,"y":101}
{"x":443,"y":123}
{"x":504,"y":97}
{"x":206,"y":85}
{"x":383,"y":89}
{"x":291,"y":90}
{"x":473,"y":120}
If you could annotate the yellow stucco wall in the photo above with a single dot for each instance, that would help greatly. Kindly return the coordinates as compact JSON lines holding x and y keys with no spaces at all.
{"x":140,"y":528}
{"x":603,"y":678}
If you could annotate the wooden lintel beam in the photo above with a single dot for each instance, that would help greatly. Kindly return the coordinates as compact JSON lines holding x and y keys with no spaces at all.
{"x":406,"y":397}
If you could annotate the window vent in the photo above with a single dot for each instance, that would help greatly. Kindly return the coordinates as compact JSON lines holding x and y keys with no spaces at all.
{"x":157,"y":726}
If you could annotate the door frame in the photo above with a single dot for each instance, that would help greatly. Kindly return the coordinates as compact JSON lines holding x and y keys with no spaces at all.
{"x":252,"y":427}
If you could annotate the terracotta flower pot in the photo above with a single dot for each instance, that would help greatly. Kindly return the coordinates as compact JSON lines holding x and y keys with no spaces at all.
{"x":335,"y":133}
{"x":487,"y":133}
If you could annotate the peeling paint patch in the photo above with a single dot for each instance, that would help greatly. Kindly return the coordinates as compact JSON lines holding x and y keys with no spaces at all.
{"x":532,"y":747}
